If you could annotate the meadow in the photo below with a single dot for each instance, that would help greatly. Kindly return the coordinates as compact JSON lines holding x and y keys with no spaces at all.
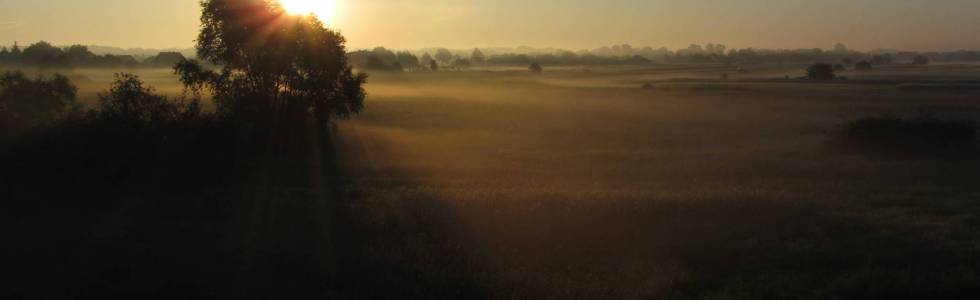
{"x":579,"y":183}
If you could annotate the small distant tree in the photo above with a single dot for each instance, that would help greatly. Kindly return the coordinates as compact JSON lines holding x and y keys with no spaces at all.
{"x":821,"y":71}
{"x":863,"y":66}
{"x":478,"y":57}
{"x":433,"y":65}
{"x":444,"y":56}
{"x":839,"y":68}
{"x":535,"y":68}
{"x":408,"y":60}
{"x":848,"y":61}
{"x":462,"y":63}
{"x":637,"y":60}
{"x":375,"y":63}
{"x":425,"y":59}
{"x":920,"y":60}
{"x":883,"y":59}
{"x":43,"y":54}
{"x":79,"y":54}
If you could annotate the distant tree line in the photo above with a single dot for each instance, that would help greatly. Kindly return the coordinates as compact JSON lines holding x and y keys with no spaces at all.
{"x":44,"y":55}
{"x":382,"y":59}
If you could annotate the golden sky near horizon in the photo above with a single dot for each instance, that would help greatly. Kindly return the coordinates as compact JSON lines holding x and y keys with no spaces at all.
{"x":570,"y":24}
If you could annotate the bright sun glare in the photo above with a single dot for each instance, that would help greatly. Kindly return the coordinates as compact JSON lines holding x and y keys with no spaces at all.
{"x":323,"y":9}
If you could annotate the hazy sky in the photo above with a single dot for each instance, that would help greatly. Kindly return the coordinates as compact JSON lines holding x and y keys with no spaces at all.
{"x":572,"y":24}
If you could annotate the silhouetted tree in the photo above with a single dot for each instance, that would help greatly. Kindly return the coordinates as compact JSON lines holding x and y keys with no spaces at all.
{"x":274,"y":66}
{"x":820,"y":71}
{"x":882,"y":59}
{"x":848,"y":61}
{"x":426,"y":58}
{"x":478,"y":57}
{"x":79,"y":55}
{"x":28,"y":102}
{"x":43,"y":54}
{"x":461,"y":63}
{"x":408,"y":60}
{"x":385,"y":55}
{"x":129,"y":102}
{"x":443,"y":55}
{"x":863,"y":66}
{"x":433,"y":65}
{"x":15,"y":51}
{"x":920,"y":60}
{"x":165,"y":60}
{"x":839,"y":68}
{"x":637,"y":60}
{"x":535,"y":68}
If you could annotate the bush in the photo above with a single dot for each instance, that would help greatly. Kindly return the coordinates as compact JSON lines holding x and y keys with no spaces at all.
{"x":894,"y":135}
{"x":130,"y":103}
{"x":920,"y":60}
{"x":535,"y":68}
{"x":820,"y":71}
{"x":28,"y":102}
{"x":863,"y":66}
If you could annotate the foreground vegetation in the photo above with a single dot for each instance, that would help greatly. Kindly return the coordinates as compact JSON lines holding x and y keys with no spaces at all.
{"x":567,"y":184}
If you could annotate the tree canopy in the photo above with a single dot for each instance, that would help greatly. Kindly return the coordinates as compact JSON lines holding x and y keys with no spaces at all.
{"x":273,"y":65}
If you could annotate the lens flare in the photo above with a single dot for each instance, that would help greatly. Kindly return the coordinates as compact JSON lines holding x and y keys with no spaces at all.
{"x":322,"y":9}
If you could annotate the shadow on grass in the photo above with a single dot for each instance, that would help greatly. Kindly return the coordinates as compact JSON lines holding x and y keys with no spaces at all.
{"x":199,"y":212}
{"x":895,"y":137}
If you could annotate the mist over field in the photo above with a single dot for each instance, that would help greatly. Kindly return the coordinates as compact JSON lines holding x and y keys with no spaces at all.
{"x":277,"y":160}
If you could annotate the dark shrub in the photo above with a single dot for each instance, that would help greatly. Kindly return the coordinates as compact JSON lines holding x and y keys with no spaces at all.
{"x":28,"y":102}
{"x":130,"y":103}
{"x":535,"y":68}
{"x":920,"y":60}
{"x":839,"y":68}
{"x":895,"y":135}
{"x":863,"y":66}
{"x":820,"y":71}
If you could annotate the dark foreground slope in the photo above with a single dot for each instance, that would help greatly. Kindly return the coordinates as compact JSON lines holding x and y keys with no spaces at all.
{"x":195,"y":213}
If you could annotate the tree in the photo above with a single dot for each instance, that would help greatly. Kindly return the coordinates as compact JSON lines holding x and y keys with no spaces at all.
{"x":408,"y":60}
{"x":848,"y":61}
{"x":443,"y":55}
{"x":387,"y":56}
{"x":478,"y":57}
{"x":820,"y":71}
{"x":43,"y":54}
{"x":535,"y":68}
{"x":863,"y":66}
{"x":275,"y":67}
{"x":374,"y":63}
{"x":461,"y":63}
{"x":840,"y":48}
{"x":637,"y":60}
{"x":78,"y":54}
{"x":433,"y":65}
{"x":131,"y":103}
{"x":839,"y":68}
{"x":15,"y":52}
{"x":426,"y":59}
{"x":920,"y":60}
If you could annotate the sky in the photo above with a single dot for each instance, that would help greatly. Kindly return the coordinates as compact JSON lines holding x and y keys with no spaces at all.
{"x":567,"y":24}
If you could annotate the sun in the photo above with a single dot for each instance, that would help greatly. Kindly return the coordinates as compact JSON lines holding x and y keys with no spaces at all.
{"x":322,"y":9}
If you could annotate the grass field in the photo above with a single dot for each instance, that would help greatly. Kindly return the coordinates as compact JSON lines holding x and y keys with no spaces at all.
{"x":580,"y":184}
